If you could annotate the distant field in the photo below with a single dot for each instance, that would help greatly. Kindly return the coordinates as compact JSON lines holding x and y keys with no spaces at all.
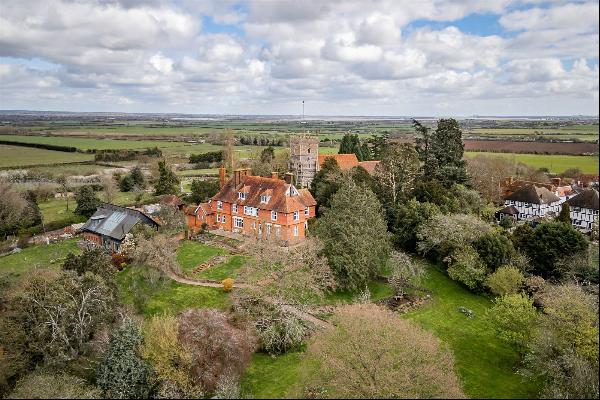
{"x":91,"y":144}
{"x":14,"y":156}
{"x":554,"y":163}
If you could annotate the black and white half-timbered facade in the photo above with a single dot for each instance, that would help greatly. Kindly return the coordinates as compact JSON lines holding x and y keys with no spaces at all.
{"x":531,"y":202}
{"x":584,"y":209}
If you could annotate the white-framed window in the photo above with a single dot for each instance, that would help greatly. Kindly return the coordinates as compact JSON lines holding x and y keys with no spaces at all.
{"x":307,"y":211}
{"x":234,"y":208}
{"x":265,"y":199}
{"x":274,"y":215}
{"x":268,"y":229}
{"x":296,"y":215}
{"x":242,"y":195}
{"x":219,"y":205}
{"x":296,"y":230}
{"x":238,"y":222}
{"x":246,"y":210}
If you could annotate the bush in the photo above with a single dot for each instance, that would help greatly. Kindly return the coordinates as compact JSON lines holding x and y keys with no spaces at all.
{"x":227,"y":284}
{"x":123,"y":374}
{"x":505,"y":280}
{"x":466,"y":267}
{"x":494,"y":249}
{"x":513,"y":317}
{"x":53,"y":385}
{"x":405,"y":273}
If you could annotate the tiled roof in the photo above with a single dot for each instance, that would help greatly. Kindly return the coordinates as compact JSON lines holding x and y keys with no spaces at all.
{"x":586,"y":199}
{"x":171,"y":200}
{"x":345,"y":161}
{"x":510,"y":210}
{"x":282,"y":198}
{"x":369,"y":165}
{"x":533,"y":195}
{"x":193,"y":210}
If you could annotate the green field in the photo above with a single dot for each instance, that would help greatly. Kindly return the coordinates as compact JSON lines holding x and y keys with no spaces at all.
{"x":555,"y":163}
{"x":15,"y":156}
{"x":14,"y":266}
{"x":584,"y":132}
{"x":91,"y":144}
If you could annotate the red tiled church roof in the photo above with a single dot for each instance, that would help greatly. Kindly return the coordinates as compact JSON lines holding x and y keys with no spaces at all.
{"x":369,"y":165}
{"x":345,"y":161}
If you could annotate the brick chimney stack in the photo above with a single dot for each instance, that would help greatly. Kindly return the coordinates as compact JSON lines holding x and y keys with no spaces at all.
{"x":222,"y":176}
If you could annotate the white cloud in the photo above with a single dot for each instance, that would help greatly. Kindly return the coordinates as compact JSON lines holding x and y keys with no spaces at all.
{"x":347,"y":56}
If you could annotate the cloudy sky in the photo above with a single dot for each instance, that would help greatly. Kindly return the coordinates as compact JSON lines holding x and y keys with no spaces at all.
{"x":354,"y":57}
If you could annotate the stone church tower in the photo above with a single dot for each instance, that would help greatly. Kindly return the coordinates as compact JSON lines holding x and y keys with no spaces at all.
{"x":304,"y":158}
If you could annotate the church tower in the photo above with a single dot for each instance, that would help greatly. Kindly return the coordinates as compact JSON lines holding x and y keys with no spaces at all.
{"x":304,"y":155}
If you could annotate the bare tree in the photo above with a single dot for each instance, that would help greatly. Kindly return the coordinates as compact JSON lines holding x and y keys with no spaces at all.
{"x":372,"y":353}
{"x":109,"y":189}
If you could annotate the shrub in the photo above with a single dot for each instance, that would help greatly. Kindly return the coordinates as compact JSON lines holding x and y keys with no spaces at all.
{"x":53,"y":385}
{"x":123,"y":374}
{"x":494,"y":249}
{"x":466,"y":267}
{"x":505,"y":280}
{"x":227,"y":284}
{"x":513,"y":317}
{"x":405,"y":273}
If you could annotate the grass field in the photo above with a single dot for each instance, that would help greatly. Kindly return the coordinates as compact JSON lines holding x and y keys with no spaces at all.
{"x":15,"y":156}
{"x":271,"y":377}
{"x":582,"y":132}
{"x":555,"y":163}
{"x":485,"y":365}
{"x":13,"y":266}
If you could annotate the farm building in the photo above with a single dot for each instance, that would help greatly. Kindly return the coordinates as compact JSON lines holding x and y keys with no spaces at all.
{"x":110,"y":223}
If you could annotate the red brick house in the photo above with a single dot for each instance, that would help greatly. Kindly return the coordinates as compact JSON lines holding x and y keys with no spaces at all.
{"x":266,"y":208}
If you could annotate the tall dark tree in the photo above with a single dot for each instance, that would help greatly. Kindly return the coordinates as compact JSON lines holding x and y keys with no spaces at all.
{"x":87,"y":201}
{"x":447,"y":148}
{"x":377,"y":145}
{"x":326,"y":182}
{"x":202,"y":190}
{"x":351,"y":145}
{"x":423,"y":146}
{"x":354,"y":236}
{"x":565,"y":213}
{"x":167,"y":180}
{"x":267,"y":155}
{"x":32,"y":215}
{"x":126,"y":183}
{"x":137,"y":176}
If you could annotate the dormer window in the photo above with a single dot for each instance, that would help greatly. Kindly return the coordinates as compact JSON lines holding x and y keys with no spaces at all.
{"x":219,"y":205}
{"x":242,"y":195}
{"x":265,"y":199}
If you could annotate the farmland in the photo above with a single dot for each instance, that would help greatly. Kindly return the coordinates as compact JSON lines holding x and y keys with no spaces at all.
{"x":15,"y":156}
{"x":554,"y":163}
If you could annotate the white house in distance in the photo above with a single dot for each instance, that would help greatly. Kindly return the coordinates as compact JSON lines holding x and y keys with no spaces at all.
{"x":584,"y":209}
{"x":530,"y":202}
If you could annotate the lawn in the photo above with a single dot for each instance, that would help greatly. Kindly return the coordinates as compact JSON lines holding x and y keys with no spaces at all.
{"x":17,"y":156}
{"x":378,"y":290}
{"x":191,"y":254}
{"x":40,"y":256}
{"x":485,"y":365}
{"x":555,"y":163}
{"x":165,"y":296}
{"x":271,"y":377}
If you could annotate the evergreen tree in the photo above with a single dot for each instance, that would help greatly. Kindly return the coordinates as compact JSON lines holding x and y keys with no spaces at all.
{"x":565,"y":213}
{"x":167,"y":180}
{"x":354,"y":235}
{"x":126,"y":183}
{"x":123,"y":374}
{"x":447,"y":148}
{"x":202,"y":190}
{"x":326,"y":182}
{"x":87,"y":201}
{"x":32,"y":215}
{"x":351,"y":145}
{"x":137,"y":176}
{"x":423,"y":144}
